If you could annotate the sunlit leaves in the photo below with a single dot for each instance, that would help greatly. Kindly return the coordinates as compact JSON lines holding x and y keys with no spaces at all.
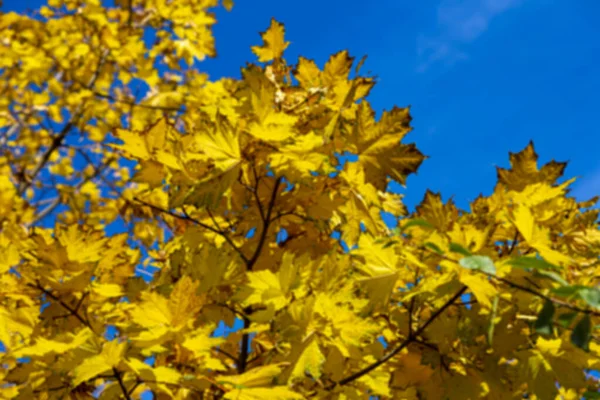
{"x":146,"y":209}
{"x":111,"y":355}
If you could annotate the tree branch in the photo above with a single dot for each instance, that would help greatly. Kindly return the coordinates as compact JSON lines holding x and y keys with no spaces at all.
{"x":121,"y":384}
{"x":266,"y":223}
{"x":556,"y":301}
{"x":243,"y":358}
{"x":534,"y":292}
{"x":62,"y":303}
{"x":409,"y":340}
{"x":56,"y":142}
{"x":187,"y":217}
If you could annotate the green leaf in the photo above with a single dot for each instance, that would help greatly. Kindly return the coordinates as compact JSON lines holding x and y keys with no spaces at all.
{"x":416,"y":222}
{"x":543,"y":324}
{"x":566,"y":319}
{"x":457,"y":248}
{"x":553,"y":276}
{"x":591,"y":395}
{"x":531,"y":263}
{"x":434,"y":247}
{"x":590,"y":296}
{"x":567,"y":291}
{"x":490,"y":333}
{"x":581,"y":334}
{"x":479,"y":263}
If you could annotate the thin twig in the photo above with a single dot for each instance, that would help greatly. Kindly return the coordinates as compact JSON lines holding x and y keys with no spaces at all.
{"x":556,"y":301}
{"x":62,"y":303}
{"x":226,"y":354}
{"x":406,"y":342}
{"x":265,"y":229}
{"x":121,"y":384}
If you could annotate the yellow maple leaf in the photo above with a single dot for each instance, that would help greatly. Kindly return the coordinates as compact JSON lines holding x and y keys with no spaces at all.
{"x":9,"y":254}
{"x":525,"y":171}
{"x":184,"y":302}
{"x":44,"y":346}
{"x":265,"y":288}
{"x":537,"y":236}
{"x":153,"y":374}
{"x":153,"y":311}
{"x":310,"y":361}
{"x":274,"y":393}
{"x":378,"y":382}
{"x":274,"y":127}
{"x":200,"y":341}
{"x":480,"y":286}
{"x":81,"y":247}
{"x":107,"y":289}
{"x":256,"y":377}
{"x":111,"y":356}
{"x":143,"y":145}
{"x":273,"y":43}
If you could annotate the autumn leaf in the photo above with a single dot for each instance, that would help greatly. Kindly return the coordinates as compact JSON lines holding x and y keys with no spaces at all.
{"x":273,"y":45}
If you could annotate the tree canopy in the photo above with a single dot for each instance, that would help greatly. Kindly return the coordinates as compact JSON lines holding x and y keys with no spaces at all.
{"x":142,"y":204}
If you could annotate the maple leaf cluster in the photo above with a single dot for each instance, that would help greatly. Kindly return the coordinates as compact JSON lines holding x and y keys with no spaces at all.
{"x":144,"y":206}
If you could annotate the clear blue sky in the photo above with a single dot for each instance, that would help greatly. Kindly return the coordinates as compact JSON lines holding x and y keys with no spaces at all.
{"x":483,"y":76}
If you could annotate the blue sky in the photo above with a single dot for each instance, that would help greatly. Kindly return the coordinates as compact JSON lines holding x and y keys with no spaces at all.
{"x":483,"y":77}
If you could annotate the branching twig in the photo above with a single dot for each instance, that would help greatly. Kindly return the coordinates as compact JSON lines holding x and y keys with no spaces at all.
{"x":556,"y":301}
{"x":187,"y":217}
{"x":265,"y":229}
{"x":121,"y":384}
{"x":243,"y":358}
{"x":62,"y":303}
{"x":406,"y":342}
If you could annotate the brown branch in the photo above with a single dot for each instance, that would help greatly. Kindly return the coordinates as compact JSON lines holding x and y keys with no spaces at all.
{"x":187,"y":217}
{"x":410,"y":316}
{"x":56,"y":142}
{"x":121,"y":384}
{"x":255,"y":193}
{"x":137,"y":383}
{"x":265,"y":229}
{"x":129,"y":13}
{"x":46,"y":211}
{"x":62,"y":303}
{"x":243,"y":358}
{"x":514,"y":285}
{"x":409,"y":340}
{"x":513,"y":244}
{"x":226,"y":354}
{"x":556,"y":301}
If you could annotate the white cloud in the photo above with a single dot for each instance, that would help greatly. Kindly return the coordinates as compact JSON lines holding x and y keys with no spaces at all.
{"x":459,"y":22}
{"x":432,"y":51}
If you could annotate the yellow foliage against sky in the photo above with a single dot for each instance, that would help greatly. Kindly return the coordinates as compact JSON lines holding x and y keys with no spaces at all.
{"x":101,"y":127}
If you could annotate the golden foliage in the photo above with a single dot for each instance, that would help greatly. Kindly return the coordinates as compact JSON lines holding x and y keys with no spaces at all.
{"x":192,"y":183}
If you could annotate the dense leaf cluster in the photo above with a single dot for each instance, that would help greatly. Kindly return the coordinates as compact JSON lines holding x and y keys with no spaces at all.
{"x":141,"y":205}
